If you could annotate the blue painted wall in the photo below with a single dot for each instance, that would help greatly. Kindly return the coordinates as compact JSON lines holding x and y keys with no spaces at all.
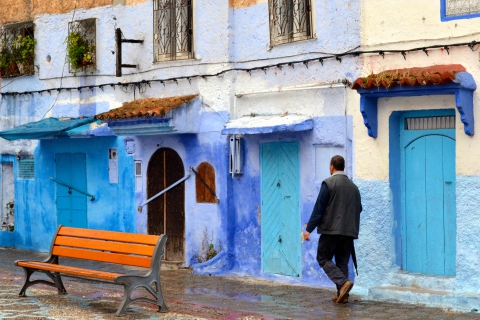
{"x":35,"y":210}
{"x":246,"y":198}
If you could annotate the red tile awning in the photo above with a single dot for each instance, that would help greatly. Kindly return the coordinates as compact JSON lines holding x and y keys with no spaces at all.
{"x":433,"y":75}
{"x":146,"y":108}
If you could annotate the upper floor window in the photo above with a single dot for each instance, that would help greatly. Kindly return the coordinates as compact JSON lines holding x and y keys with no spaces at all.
{"x":81,"y":41}
{"x":460,"y":9}
{"x":173,"y":29}
{"x":290,"y":20}
{"x":17,"y":53}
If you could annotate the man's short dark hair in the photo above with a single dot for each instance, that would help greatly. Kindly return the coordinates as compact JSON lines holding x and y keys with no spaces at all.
{"x":338,"y":163}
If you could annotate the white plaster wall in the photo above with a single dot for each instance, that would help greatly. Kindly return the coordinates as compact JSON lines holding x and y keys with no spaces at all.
{"x":371,"y":154}
{"x":389,"y":24}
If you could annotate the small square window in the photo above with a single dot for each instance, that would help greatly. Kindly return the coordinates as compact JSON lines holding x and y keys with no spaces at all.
{"x":26,"y":169}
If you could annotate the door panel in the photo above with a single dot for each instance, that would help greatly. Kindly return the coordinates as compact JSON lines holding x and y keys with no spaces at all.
{"x":280,"y":209}
{"x":166,"y":214}
{"x":70,"y":168}
{"x":429,"y":202}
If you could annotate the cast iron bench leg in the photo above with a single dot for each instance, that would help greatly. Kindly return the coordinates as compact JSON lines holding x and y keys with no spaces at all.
{"x":57,"y":281}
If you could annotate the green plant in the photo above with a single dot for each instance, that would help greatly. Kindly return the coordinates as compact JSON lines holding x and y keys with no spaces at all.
{"x":23,"y":52}
{"x":80,"y":53}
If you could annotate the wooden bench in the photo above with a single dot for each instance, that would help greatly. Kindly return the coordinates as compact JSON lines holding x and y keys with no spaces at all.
{"x":120,"y":248}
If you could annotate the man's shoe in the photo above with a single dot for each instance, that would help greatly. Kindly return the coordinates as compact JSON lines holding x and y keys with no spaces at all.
{"x":344,"y":290}
{"x":335,"y":298}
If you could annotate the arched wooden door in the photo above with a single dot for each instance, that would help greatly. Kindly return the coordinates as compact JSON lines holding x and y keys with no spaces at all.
{"x":166,"y":214}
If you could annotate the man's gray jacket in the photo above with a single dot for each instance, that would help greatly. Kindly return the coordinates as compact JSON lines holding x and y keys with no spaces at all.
{"x":338,"y":207}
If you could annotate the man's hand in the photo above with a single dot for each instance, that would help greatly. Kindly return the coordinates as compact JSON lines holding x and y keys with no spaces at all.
{"x":306,"y":236}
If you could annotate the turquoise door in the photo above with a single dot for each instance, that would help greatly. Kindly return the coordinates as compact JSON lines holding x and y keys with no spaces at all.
{"x":70,"y":169}
{"x":429,"y":215}
{"x":280,"y":183}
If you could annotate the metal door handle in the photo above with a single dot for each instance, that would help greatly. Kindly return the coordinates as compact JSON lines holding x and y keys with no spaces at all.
{"x":448,"y":182}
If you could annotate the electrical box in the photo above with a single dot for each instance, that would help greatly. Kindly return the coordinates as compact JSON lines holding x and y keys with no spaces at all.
{"x":138,"y":175}
{"x":236,"y":155}
{"x":113,"y":165}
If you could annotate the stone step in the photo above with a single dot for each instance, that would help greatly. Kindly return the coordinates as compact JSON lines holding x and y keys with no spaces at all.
{"x":172,"y":265}
{"x":458,"y":301}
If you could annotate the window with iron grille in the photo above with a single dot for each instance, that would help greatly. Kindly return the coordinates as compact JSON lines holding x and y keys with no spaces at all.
{"x":173,"y":29}
{"x":430,"y":123}
{"x":17,"y":53}
{"x":458,"y":9}
{"x":290,"y":20}
{"x":81,"y":42}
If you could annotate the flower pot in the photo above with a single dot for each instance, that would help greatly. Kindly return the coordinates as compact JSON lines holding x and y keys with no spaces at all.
{"x":13,"y":69}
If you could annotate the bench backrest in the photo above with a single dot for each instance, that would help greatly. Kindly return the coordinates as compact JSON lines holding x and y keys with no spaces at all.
{"x":106,"y":246}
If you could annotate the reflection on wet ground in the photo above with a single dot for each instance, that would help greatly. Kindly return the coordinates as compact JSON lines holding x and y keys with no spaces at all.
{"x":193,"y":297}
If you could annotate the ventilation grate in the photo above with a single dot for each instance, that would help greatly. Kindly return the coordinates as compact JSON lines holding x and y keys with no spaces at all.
{"x":430,"y":123}
{"x":25,"y":169}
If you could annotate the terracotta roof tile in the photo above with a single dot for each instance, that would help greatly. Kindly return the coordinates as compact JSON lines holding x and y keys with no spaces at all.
{"x":432,"y":75}
{"x":146,"y":108}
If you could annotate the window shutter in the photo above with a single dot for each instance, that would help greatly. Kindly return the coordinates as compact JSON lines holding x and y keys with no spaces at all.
{"x":207,"y":173}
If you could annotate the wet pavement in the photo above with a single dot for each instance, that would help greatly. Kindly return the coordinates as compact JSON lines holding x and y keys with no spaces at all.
{"x":189,"y":296}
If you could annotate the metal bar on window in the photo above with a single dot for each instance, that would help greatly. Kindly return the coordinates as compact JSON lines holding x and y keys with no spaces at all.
{"x":205,"y":183}
{"x":70,"y":188}
{"x":162,"y":192}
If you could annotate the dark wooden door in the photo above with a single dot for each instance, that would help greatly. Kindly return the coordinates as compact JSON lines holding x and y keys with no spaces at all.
{"x":166,"y":214}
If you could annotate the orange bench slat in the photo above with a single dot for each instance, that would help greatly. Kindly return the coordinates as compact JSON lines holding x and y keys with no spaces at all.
{"x":86,"y":254}
{"x":145,"y":239}
{"x":69,"y":270}
{"x":117,"y":247}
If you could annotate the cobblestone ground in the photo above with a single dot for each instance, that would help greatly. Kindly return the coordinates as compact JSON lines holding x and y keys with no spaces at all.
{"x":192,"y":297}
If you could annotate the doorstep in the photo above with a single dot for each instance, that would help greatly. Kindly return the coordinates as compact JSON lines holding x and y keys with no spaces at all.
{"x":172,"y":265}
{"x":459,"y":301}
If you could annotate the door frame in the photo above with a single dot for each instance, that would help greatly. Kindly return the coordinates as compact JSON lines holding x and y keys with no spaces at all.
{"x":298,"y":245}
{"x":182,"y":184}
{"x":405,"y":139}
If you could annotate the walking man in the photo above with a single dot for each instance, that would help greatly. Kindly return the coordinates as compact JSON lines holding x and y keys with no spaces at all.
{"x":336,"y":216}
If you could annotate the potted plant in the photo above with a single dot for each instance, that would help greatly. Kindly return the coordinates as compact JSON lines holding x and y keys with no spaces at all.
{"x":80,"y":52}
{"x":24,"y":53}
{"x":7,"y":61}
{"x":4,"y":61}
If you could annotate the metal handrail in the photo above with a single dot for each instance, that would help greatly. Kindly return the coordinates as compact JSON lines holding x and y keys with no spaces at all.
{"x":162,"y":192}
{"x":70,"y":188}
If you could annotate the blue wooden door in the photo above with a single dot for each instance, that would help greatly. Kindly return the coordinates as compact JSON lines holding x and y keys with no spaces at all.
{"x":429,"y":215}
{"x":280,"y":181}
{"x":70,"y":169}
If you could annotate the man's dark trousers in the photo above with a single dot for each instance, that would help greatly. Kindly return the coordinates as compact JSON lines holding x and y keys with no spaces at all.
{"x":339,"y":246}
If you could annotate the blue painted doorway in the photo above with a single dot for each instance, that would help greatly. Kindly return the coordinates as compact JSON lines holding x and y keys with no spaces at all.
{"x":428,"y":192}
{"x":70,"y":169}
{"x":280,"y":185}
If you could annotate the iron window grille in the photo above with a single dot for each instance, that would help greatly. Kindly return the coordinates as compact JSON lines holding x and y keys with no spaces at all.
{"x":430,"y":123}
{"x":81,"y":45}
{"x":461,"y":7}
{"x":17,"y":53}
{"x":290,"y":20}
{"x":173,"y":29}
